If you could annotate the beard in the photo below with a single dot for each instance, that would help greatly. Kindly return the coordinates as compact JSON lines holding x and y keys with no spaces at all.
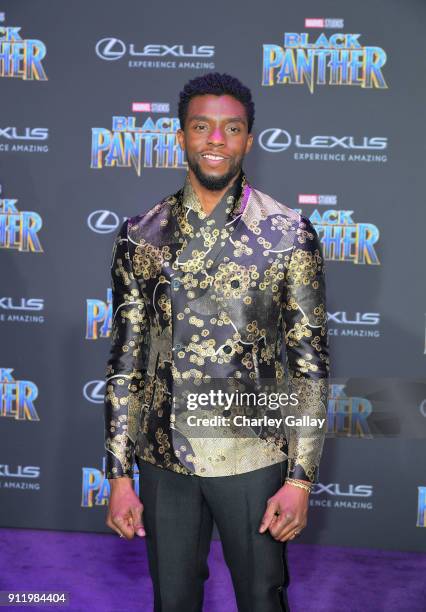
{"x":214,"y":183}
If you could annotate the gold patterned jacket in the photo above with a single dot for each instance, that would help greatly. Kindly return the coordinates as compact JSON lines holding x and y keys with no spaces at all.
{"x":233,"y":299}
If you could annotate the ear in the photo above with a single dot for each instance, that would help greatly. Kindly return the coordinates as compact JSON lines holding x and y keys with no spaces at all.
{"x":181,"y":138}
{"x":249,"y":143}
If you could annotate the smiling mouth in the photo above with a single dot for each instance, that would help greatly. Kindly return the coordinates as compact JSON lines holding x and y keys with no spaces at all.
{"x":213,"y":157}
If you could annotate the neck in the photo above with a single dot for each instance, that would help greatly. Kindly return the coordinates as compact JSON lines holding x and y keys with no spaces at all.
{"x":208,"y":198}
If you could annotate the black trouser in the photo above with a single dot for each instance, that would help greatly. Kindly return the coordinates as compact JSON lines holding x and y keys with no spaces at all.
{"x":178,"y":516}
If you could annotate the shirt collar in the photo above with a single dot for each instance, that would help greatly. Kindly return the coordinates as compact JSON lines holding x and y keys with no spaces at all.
{"x":231,"y":198}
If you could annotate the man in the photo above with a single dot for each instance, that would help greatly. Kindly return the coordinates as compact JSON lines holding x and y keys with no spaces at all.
{"x":217,"y":287}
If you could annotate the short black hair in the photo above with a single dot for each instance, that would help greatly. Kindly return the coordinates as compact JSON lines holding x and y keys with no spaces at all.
{"x":216,"y":84}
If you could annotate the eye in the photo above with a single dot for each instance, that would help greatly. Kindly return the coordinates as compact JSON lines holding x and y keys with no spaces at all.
{"x":200,"y":127}
{"x":234,"y":129}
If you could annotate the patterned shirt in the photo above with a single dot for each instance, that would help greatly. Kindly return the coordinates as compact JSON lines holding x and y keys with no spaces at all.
{"x":230,"y":302}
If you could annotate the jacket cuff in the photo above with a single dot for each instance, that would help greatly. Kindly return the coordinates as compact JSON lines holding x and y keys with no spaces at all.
{"x":298,"y":472}
{"x":116,"y":467}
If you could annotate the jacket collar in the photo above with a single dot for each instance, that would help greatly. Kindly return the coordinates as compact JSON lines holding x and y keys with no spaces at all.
{"x":231,"y":204}
{"x":205,"y":236}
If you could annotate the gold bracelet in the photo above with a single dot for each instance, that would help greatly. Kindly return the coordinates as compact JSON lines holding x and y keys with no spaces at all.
{"x":302,"y":482}
{"x":297,"y":483}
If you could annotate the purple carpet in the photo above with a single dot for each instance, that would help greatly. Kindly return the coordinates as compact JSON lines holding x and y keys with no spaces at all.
{"x":104,"y":573}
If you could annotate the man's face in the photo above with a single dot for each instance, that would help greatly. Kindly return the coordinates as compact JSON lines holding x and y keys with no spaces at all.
{"x":215,"y":138}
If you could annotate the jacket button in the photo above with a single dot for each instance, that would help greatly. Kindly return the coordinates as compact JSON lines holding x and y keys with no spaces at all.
{"x":235,"y":283}
{"x":175,"y":283}
{"x":227,"y":349}
{"x":178,"y":347}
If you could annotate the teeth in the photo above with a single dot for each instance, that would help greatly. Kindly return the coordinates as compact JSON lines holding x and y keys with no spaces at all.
{"x":214,"y":157}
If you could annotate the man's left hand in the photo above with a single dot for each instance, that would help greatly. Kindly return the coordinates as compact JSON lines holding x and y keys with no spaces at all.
{"x":286,"y":513}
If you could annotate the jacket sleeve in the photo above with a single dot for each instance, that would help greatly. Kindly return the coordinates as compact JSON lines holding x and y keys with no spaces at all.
{"x":124,"y":374}
{"x":306,"y":339}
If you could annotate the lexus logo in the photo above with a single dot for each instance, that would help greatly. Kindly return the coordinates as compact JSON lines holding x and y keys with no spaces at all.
{"x":274,"y":140}
{"x":110,"y":49}
{"x":103,"y":221}
{"x":14,"y":133}
{"x":338,"y":490}
{"x":21,"y":471}
{"x":94,"y":391}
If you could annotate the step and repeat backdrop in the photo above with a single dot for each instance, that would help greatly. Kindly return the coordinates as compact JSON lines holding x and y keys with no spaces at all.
{"x":88,"y":95}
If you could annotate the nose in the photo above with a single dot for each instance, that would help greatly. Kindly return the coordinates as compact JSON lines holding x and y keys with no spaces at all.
{"x":216,"y":136}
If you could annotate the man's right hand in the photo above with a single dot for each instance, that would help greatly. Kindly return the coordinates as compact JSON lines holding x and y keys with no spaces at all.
{"x":125,"y":509}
